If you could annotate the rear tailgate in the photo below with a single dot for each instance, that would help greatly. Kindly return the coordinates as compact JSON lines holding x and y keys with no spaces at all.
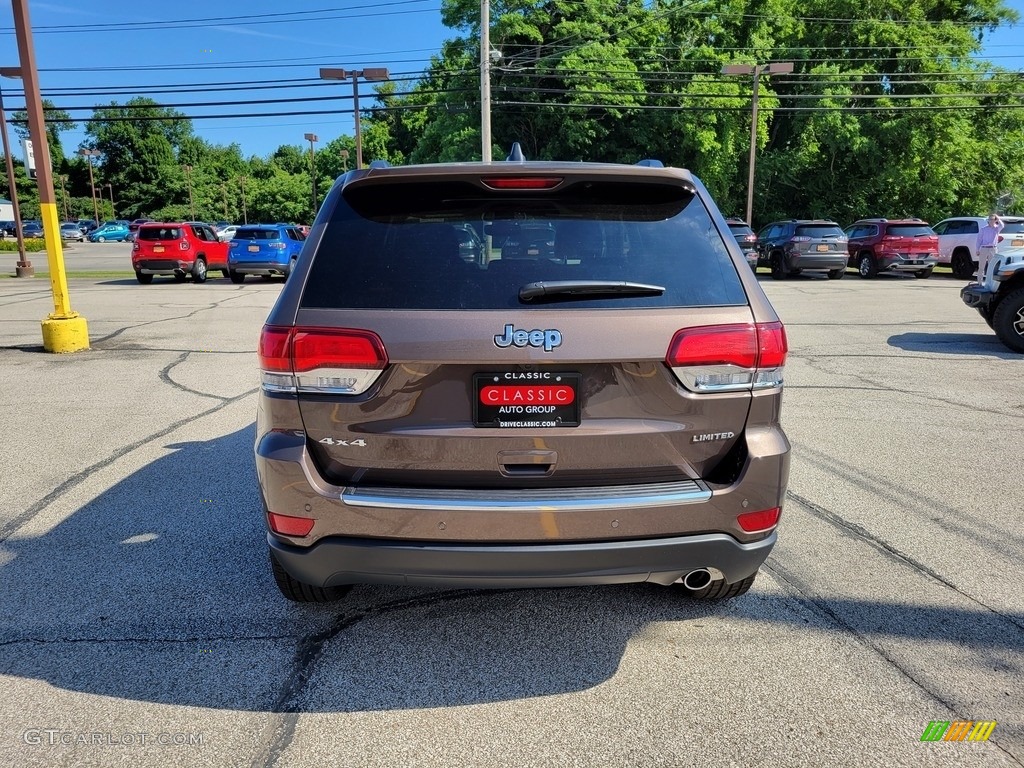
{"x":471,"y":385}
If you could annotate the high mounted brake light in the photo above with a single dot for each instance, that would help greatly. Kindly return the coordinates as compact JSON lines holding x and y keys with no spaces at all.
{"x":521,"y":182}
{"x":729,"y":358}
{"x":339,"y":361}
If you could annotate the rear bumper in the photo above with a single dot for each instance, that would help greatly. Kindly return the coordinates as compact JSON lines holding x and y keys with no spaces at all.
{"x":824,"y":261}
{"x":907,"y":262}
{"x":162,"y":266}
{"x":258,"y":267}
{"x":336,"y":561}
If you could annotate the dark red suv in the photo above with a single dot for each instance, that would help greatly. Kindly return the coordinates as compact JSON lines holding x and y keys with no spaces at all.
{"x":181,"y":249}
{"x":892,"y":245}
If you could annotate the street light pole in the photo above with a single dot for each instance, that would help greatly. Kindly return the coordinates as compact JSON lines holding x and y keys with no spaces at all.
{"x":485,"y":80}
{"x":344,"y":161}
{"x":89,"y":154}
{"x":191,"y":204}
{"x":311,"y":138}
{"x":756,"y":70}
{"x":224,"y":191}
{"x":63,"y":329}
{"x":369,"y":73}
{"x":24,"y":267}
{"x":113,"y":210}
{"x":245,"y":215}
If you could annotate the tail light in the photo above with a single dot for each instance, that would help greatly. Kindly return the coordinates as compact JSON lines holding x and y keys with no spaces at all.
{"x":278,"y":246}
{"x":800,"y":239}
{"x":729,"y":358}
{"x":320,"y":360}
{"x":135,"y":245}
{"x":759,"y":522}
{"x":184,"y":244}
{"x":288,"y":525}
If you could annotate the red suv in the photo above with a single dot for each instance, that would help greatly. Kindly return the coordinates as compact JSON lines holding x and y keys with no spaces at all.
{"x":892,"y":245}
{"x":186,"y":248}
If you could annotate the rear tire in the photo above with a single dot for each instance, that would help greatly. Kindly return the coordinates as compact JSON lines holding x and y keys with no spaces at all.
{"x":199,"y":270}
{"x":226,"y":273}
{"x":301,"y":592}
{"x":179,"y":276}
{"x":720,"y":589}
{"x":236,"y":277}
{"x":1008,"y":320}
{"x":836,"y":274}
{"x":778,"y":266}
{"x":924,"y":274}
{"x":866,"y":266}
{"x":963,"y":265}
{"x":144,"y":279}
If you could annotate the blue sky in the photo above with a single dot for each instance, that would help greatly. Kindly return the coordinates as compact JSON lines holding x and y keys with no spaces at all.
{"x":194,"y":42}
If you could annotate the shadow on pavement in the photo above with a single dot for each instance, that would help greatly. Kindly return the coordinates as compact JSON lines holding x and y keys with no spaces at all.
{"x":953,"y":344}
{"x":159,"y":590}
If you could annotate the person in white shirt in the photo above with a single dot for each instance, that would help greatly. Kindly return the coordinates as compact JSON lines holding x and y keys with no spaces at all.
{"x":988,"y":236}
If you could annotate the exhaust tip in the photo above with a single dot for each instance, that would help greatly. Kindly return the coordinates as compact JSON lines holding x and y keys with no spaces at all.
{"x":697,"y":579}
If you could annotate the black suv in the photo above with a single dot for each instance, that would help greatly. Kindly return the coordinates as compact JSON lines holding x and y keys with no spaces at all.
{"x":802,"y":245}
{"x":592,"y":398}
{"x":746,"y":239}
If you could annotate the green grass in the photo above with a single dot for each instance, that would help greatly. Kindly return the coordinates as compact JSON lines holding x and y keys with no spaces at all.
{"x":108,"y":274}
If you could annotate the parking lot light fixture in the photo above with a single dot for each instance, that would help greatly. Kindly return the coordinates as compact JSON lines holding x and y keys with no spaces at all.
{"x":24,"y":267}
{"x":777,"y":67}
{"x":312,"y":139}
{"x":376,"y":74}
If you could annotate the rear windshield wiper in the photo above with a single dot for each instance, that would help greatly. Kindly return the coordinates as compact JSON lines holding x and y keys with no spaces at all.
{"x":586,"y":288}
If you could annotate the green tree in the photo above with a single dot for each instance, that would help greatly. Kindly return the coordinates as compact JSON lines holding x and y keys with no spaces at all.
{"x":57,"y":121}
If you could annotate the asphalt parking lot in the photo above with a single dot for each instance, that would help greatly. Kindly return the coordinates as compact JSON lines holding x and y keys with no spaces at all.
{"x":141,"y":625}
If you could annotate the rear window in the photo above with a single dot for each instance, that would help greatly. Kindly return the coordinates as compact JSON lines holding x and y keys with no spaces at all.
{"x":819,"y":230}
{"x":256,"y":234}
{"x":422,"y":246}
{"x":909,"y":230}
{"x":1013,"y":228}
{"x":740,"y":230}
{"x":159,"y":233}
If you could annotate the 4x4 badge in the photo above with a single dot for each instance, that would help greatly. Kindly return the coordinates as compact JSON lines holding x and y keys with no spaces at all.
{"x":549,"y":338}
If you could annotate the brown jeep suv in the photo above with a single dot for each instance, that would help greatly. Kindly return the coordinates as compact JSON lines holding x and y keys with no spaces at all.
{"x":591,"y":396}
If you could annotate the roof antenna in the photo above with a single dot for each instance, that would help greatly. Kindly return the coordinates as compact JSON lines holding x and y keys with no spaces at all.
{"x":516,"y":155}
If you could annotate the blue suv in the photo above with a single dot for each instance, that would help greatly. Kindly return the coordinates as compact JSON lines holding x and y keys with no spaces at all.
{"x":264,"y":249}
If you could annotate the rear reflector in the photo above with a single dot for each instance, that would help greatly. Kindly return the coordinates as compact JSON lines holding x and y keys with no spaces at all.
{"x":325,"y":360}
{"x":758,"y":522}
{"x":287,"y":525}
{"x":729,"y":358}
{"x":522,"y":182}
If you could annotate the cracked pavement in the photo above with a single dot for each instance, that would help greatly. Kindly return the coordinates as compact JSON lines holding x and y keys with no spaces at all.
{"x":138,"y":602}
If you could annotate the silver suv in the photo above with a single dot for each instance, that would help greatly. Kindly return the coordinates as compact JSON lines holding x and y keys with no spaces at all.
{"x":588,"y":395}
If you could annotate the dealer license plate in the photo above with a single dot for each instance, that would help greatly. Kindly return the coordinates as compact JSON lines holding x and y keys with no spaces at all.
{"x":254,"y":248}
{"x":526,"y":399}
{"x":158,"y":249}
{"x":823,"y":247}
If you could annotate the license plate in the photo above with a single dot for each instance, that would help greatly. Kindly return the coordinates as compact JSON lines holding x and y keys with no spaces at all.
{"x":158,"y":249}
{"x":823,"y":248}
{"x":526,"y":399}
{"x":254,"y":248}
{"x":1017,"y":243}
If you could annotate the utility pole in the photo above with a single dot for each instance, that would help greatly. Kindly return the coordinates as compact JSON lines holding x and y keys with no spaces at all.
{"x":224,"y":190}
{"x":188,"y":179}
{"x":113,"y":210}
{"x":756,"y":70}
{"x":63,"y":329}
{"x":245,"y":214}
{"x":485,"y":80}
{"x":89,"y":154}
{"x":311,"y":138}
